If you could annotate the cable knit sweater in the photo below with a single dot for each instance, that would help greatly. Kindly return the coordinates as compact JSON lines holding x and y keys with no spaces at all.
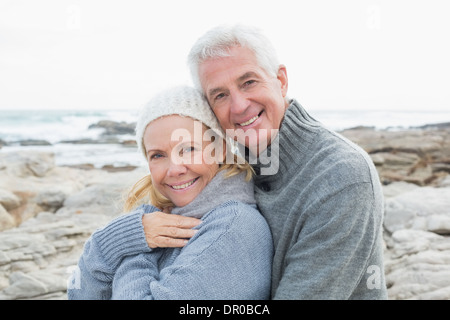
{"x":325,"y":207}
{"x":230,"y":257}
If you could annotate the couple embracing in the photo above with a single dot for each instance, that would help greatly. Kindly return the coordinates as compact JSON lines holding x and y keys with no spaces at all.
{"x":248,"y":197}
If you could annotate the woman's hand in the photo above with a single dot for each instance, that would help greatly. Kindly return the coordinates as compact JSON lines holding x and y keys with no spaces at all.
{"x":165,"y":230}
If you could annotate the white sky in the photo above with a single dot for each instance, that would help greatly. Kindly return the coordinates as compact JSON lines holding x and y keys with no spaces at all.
{"x":107,"y":54}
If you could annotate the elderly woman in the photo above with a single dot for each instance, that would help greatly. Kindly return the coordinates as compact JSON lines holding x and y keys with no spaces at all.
{"x":193,"y":174}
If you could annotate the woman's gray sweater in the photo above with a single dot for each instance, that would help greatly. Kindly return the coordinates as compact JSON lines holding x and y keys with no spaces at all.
{"x":230,"y":257}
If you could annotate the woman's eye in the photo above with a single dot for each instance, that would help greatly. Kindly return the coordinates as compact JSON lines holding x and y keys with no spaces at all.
{"x":186,"y":150}
{"x":155,"y":156}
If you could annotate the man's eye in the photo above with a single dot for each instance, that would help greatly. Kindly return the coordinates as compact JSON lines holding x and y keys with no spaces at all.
{"x":219,"y":96}
{"x":249,"y":83}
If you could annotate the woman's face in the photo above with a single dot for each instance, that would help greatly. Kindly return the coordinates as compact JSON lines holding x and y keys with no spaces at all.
{"x":180,"y":161}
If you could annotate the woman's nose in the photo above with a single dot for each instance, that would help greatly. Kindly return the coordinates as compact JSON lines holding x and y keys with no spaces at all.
{"x":176,"y":168}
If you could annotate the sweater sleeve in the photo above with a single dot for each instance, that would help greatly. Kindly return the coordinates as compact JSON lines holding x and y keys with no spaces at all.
{"x":229,"y":258}
{"x":330,"y":256}
{"x":104,"y":251}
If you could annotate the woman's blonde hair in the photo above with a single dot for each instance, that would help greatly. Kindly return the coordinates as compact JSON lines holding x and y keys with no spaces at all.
{"x":143,"y":190}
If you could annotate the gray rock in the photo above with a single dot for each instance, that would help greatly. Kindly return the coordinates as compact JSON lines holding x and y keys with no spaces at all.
{"x":442,"y":125}
{"x":114,"y":128}
{"x":6,"y":220}
{"x":28,"y":163}
{"x":23,"y":286}
{"x":8,"y":200}
{"x":396,"y":188}
{"x":51,"y":199}
{"x":35,"y":143}
{"x":417,"y":265}
{"x":444,"y":182}
{"x":424,"y":208}
{"x":37,"y":254}
{"x":415,"y":156}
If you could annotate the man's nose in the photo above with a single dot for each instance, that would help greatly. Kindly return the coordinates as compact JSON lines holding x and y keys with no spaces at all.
{"x":239,"y":103}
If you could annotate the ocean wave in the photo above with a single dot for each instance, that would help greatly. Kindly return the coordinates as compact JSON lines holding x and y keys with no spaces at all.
{"x":57,"y":127}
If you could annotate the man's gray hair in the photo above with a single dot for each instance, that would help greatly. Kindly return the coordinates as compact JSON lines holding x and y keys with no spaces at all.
{"x":218,"y":41}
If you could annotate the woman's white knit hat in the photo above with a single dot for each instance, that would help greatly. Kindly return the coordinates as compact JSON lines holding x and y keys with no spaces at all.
{"x":181,"y":100}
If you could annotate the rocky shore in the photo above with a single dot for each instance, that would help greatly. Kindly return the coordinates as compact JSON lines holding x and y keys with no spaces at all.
{"x":112,"y":132}
{"x":47,"y":212}
{"x":414,"y":168}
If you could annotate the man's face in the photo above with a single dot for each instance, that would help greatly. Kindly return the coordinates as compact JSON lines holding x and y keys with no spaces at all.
{"x":244,"y":96}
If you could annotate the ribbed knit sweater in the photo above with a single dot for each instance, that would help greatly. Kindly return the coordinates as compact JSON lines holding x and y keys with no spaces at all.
{"x":230,"y":257}
{"x":324,"y":206}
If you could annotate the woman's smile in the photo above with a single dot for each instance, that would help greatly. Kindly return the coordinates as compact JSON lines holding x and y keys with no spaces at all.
{"x":183,"y":185}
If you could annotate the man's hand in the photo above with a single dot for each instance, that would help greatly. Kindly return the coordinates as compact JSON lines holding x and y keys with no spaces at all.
{"x":165,"y":230}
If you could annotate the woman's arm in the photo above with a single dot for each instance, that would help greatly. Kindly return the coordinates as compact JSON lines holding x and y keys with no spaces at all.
{"x":104,"y":251}
{"x":229,"y":258}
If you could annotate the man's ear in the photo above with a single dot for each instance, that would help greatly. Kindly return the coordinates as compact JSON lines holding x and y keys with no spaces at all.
{"x":283,"y":78}
{"x":219,"y":151}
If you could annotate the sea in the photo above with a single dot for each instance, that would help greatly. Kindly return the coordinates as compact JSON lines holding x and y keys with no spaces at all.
{"x":57,"y":126}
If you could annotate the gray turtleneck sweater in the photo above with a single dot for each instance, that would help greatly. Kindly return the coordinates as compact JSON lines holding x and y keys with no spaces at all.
{"x":230,"y":257}
{"x":324,"y":204}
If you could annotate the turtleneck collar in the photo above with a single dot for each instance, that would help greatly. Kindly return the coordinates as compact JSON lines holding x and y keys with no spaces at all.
{"x":298,"y":130}
{"x":219,"y":190}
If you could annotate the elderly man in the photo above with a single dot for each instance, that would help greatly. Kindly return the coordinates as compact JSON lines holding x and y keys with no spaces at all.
{"x":320,"y":193}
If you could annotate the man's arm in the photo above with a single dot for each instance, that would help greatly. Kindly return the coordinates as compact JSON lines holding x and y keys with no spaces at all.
{"x":333,"y":248}
{"x":165,"y":230}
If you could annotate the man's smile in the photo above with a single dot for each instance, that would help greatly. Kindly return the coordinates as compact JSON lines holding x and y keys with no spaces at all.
{"x":251,"y":120}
